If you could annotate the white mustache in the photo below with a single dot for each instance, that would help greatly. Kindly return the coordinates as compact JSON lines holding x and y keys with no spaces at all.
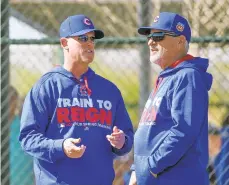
{"x":153,"y":48}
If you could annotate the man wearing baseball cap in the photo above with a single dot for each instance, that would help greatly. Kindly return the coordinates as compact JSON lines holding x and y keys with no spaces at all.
{"x":74,"y":121}
{"x":171,"y":142}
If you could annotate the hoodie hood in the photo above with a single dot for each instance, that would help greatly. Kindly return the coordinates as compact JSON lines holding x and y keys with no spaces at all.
{"x":89,"y":73}
{"x":197,"y":63}
{"x":83,"y":79}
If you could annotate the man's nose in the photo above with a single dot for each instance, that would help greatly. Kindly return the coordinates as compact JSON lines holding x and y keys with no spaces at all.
{"x":90,"y":42}
{"x":151,"y":42}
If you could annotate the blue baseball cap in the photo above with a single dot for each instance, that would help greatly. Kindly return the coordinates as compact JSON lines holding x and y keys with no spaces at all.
{"x":170,"y":22}
{"x":78,"y":25}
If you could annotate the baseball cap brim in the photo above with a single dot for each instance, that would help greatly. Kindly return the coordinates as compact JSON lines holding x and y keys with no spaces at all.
{"x":98,"y":33}
{"x":147,"y":30}
{"x":144,"y":30}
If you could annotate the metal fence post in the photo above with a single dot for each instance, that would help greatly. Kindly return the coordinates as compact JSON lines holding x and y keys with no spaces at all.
{"x":144,"y":19}
{"x":4,"y":93}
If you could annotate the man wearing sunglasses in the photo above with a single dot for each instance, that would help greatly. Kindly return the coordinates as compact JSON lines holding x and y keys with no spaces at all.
{"x":171,"y":142}
{"x":74,"y":121}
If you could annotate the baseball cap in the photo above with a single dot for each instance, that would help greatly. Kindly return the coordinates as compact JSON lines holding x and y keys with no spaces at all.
{"x":171,"y":22}
{"x":78,"y":25}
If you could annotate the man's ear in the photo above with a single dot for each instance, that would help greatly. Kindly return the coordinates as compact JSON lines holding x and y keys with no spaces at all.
{"x":64,"y":43}
{"x":181,"y":41}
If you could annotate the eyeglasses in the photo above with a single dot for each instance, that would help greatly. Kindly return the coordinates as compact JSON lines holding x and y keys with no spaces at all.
{"x":159,"y":36}
{"x":85,"y":38}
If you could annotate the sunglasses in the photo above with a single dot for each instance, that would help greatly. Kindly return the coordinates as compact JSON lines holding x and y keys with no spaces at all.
{"x":159,"y":36}
{"x":85,"y":38}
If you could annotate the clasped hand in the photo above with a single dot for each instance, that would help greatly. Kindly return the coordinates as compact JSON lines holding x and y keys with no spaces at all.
{"x":71,"y":150}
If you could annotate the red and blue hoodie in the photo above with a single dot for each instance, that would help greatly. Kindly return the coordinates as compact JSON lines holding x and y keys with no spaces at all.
{"x":172,"y":138}
{"x":58,"y":107}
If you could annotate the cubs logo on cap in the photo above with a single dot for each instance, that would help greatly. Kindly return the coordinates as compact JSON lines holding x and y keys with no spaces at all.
{"x":87,"y":21}
{"x":156,"y":19}
{"x":180,"y":26}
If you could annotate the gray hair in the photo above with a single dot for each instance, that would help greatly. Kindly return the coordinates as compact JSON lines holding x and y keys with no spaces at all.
{"x":186,"y":46}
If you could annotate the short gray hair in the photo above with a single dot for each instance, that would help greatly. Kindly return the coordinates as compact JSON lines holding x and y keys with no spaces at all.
{"x":186,"y":46}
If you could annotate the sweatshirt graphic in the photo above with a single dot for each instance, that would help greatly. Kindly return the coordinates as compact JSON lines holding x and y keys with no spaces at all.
{"x":59,"y":107}
{"x":174,"y":128}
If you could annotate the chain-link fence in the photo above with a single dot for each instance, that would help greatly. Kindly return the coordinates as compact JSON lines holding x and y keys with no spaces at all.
{"x":122,"y":57}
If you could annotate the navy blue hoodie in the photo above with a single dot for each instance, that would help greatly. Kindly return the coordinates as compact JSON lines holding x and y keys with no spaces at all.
{"x":58,"y":107}
{"x":172,"y":138}
{"x":222,"y":159}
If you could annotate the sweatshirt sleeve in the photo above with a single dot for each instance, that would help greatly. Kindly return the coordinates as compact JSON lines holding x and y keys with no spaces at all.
{"x":34,"y":122}
{"x":123,"y":122}
{"x":189,"y":106}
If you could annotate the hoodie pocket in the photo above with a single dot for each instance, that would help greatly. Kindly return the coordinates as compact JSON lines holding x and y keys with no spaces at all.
{"x":144,"y":177}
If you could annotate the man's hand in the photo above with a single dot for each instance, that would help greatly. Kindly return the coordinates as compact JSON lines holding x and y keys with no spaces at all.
{"x":117,"y":138}
{"x":71,"y":150}
{"x":133,"y":180}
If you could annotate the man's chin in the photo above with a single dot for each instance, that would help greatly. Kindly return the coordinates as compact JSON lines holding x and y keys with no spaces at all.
{"x":88,"y":61}
{"x":155,"y":60}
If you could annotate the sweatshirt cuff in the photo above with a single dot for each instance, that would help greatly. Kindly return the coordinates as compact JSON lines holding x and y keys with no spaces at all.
{"x":57,"y":150}
{"x":126,"y":147}
{"x":152,"y":165}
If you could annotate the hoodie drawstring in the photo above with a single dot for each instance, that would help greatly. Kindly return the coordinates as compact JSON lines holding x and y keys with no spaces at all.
{"x":158,"y":82}
{"x":89,"y":91}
